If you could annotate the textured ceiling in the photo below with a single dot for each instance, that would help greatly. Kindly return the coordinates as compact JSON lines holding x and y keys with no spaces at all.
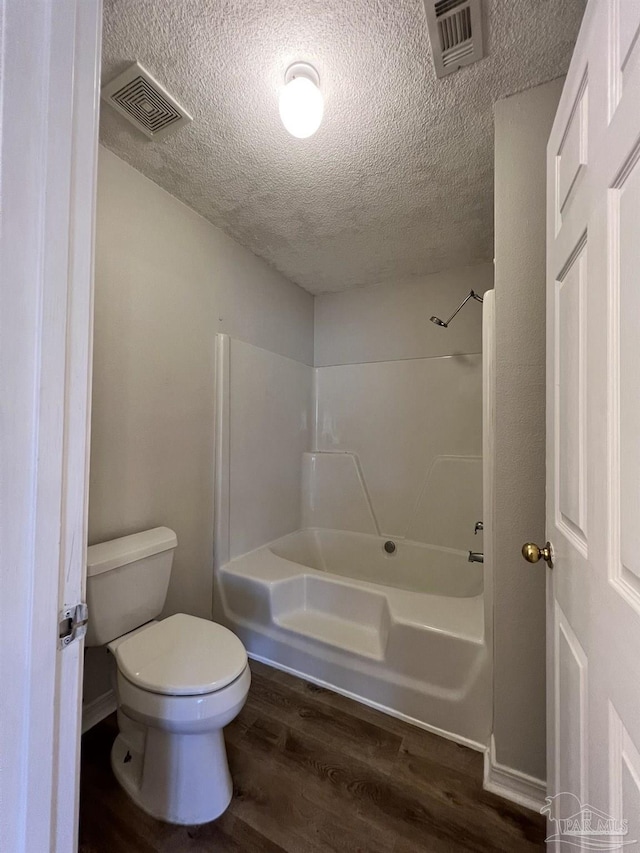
{"x":398,"y":180}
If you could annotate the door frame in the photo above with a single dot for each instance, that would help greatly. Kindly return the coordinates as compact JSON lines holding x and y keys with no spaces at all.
{"x":49,"y":102}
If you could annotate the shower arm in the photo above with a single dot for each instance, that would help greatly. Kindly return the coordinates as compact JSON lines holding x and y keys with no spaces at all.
{"x":471,"y":295}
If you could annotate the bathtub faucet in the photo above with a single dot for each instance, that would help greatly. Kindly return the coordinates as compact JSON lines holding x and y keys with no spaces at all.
{"x":476,"y":557}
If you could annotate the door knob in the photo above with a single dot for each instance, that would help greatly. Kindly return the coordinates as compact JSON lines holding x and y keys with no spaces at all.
{"x":532,"y":553}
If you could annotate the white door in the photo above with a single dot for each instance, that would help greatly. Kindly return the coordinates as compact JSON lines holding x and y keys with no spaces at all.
{"x":593,"y":434}
{"x":49,"y":60}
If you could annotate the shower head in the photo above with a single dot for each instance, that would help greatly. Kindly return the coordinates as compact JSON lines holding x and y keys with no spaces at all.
{"x":445,"y":325}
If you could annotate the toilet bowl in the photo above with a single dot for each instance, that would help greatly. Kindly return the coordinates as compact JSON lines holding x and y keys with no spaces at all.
{"x":178,"y":682}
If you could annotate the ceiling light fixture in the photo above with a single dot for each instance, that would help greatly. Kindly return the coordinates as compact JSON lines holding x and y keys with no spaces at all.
{"x":301,"y":101}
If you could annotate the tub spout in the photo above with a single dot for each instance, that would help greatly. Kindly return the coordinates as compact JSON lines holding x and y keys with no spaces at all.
{"x":476,"y":557}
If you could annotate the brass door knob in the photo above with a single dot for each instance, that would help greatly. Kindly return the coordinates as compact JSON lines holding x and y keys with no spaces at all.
{"x":532,"y":553}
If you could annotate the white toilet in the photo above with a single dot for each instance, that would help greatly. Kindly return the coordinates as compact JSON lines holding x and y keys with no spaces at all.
{"x":179,"y":681}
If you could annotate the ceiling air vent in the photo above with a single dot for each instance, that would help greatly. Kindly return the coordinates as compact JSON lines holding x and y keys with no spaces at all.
{"x":142,"y":100}
{"x":455,"y":30}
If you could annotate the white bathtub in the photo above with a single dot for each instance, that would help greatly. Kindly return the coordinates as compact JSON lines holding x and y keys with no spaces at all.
{"x":413,"y":566}
{"x":403,"y":632}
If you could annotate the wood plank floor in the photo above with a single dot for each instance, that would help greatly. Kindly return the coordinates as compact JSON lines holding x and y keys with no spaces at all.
{"x":315,"y":772}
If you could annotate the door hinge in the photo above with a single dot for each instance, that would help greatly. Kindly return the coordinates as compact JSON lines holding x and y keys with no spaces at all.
{"x":72,"y":624}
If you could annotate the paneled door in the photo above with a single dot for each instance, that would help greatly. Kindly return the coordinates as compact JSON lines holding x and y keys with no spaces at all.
{"x":593,"y":438}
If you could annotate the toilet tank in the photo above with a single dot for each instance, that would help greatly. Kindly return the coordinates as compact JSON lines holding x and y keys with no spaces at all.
{"x":127,"y":582}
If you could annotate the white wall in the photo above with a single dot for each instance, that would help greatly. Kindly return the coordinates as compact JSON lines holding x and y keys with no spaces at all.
{"x":522,"y":125}
{"x":391,"y":321}
{"x":166,"y":282}
{"x":405,"y":396}
{"x":416,"y":428}
{"x":270,"y":415}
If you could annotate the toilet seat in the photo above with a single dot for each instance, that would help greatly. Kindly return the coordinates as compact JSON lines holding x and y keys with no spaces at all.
{"x":184,"y":714}
{"x":181,"y":656}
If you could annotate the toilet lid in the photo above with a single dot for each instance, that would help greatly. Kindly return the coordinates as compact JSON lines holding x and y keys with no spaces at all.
{"x":182,"y":656}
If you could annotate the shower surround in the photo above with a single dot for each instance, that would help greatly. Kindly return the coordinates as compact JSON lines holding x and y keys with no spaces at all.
{"x":316,"y":469}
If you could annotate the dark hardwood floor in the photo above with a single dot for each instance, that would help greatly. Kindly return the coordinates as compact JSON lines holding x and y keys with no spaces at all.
{"x":314,"y":771}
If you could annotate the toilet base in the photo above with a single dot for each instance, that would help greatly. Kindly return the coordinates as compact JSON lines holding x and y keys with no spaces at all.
{"x":178,"y":778}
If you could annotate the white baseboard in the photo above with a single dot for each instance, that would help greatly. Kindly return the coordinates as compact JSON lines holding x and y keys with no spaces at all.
{"x":98,"y":709}
{"x":512,"y":784}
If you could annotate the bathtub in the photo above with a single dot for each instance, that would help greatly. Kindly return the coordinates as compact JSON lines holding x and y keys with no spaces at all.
{"x":412,"y":566}
{"x":403,"y":632}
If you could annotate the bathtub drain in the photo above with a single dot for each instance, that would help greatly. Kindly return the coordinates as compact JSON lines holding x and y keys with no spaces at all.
{"x":389,"y":546}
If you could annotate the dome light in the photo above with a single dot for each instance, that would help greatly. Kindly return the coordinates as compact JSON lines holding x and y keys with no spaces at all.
{"x":301,"y":101}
